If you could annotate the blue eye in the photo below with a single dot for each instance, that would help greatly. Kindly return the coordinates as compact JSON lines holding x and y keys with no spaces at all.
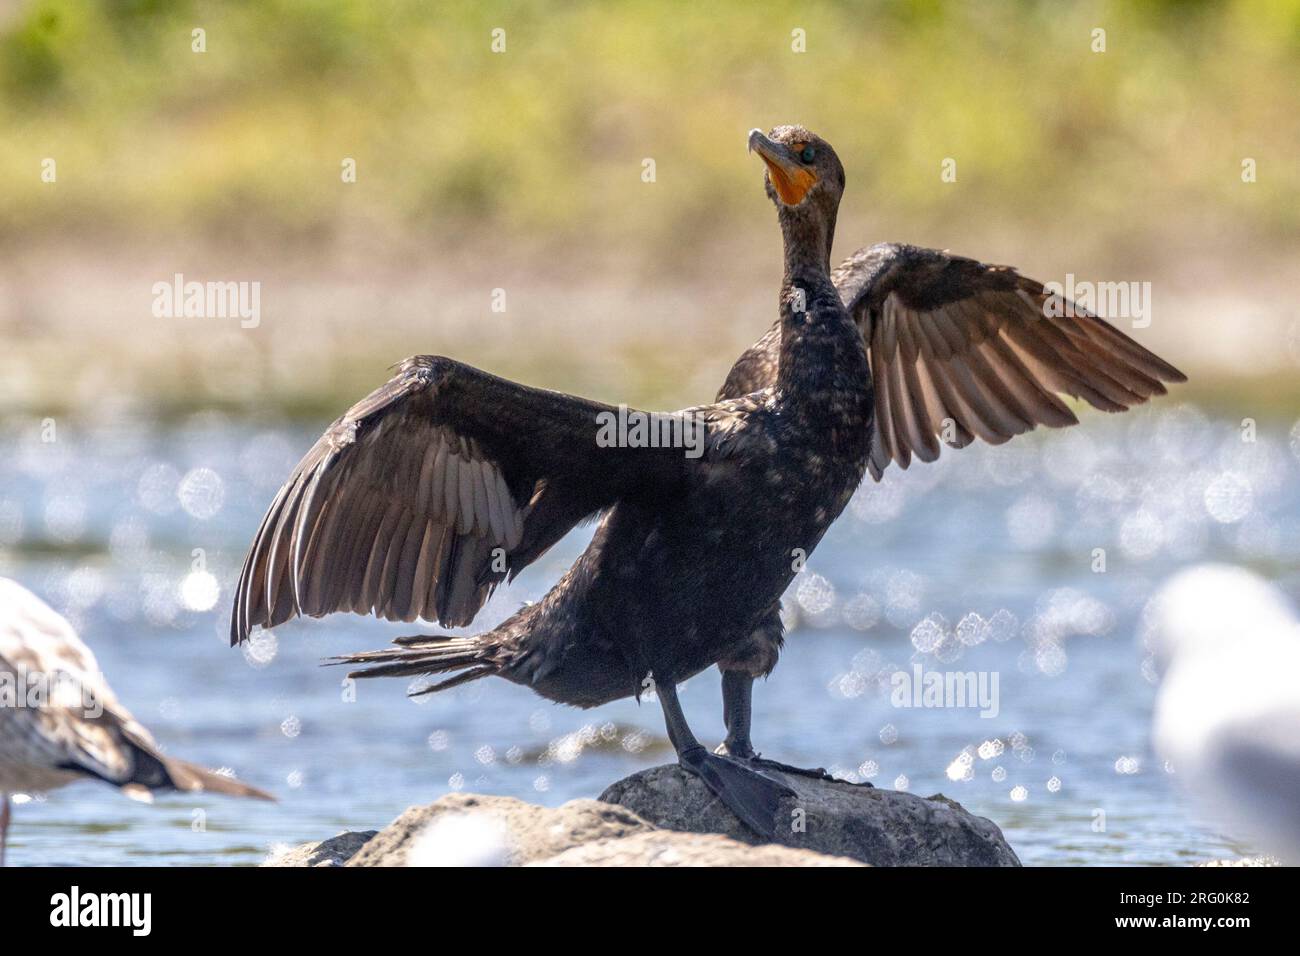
{"x":808,"y":154}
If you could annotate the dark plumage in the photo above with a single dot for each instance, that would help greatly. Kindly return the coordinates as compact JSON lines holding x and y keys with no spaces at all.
{"x":952,"y":338}
{"x":448,"y":480}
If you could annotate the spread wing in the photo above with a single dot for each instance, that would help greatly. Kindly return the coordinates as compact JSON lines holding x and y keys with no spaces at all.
{"x":429,"y":492}
{"x":962,"y":350}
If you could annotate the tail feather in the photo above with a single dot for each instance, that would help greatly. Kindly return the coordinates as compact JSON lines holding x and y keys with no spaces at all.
{"x":464,"y":677}
{"x":425,"y":654}
{"x":155,"y":771}
{"x":190,"y":776}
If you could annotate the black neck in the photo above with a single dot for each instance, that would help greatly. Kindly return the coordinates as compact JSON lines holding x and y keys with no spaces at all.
{"x":814,"y":324}
{"x":807,"y":234}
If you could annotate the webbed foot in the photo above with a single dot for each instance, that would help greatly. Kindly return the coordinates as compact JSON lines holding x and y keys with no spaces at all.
{"x":817,"y":773}
{"x":750,"y":794}
{"x":740,"y":750}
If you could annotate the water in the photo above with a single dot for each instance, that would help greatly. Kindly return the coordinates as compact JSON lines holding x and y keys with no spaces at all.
{"x":988,"y":561}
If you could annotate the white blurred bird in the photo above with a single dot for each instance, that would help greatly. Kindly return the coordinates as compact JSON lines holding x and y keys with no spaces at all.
{"x":1226,"y":645}
{"x":60,"y":722}
{"x":461,"y":839}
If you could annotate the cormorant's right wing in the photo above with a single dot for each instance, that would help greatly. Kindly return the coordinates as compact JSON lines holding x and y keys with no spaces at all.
{"x":429,"y":492}
{"x":961,"y":350}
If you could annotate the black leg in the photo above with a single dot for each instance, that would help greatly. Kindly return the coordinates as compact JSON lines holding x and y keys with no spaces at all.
{"x":737,"y":705}
{"x":737,"y":702}
{"x":753,"y":797}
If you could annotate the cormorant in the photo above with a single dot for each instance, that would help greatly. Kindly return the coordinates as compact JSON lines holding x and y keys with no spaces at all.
{"x":445,"y":481}
{"x":59,"y":721}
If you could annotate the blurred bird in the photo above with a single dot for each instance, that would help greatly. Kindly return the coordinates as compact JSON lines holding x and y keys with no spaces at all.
{"x":1226,"y":645}
{"x":59,"y":720}
{"x":447,"y":480}
{"x":461,"y":839}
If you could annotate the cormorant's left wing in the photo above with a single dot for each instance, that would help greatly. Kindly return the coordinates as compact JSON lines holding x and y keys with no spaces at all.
{"x":430,"y":491}
{"x":962,"y":350}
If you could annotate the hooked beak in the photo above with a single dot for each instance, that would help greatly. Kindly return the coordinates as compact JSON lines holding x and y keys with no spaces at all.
{"x":790,"y":177}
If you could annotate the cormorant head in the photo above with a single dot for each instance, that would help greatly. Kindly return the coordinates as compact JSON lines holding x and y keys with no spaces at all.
{"x":802,"y":169}
{"x":805,"y":180}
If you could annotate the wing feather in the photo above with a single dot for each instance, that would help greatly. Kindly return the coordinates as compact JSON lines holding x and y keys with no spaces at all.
{"x":400,"y":506}
{"x":954,"y":340}
{"x":978,"y":345}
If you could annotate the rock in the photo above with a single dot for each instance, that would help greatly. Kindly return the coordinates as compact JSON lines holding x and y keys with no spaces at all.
{"x":668,"y":848}
{"x":879,"y":827}
{"x":335,"y":851}
{"x":473,"y":830}
{"x":465,"y":828}
{"x":1243,"y":861}
{"x":666,"y":817}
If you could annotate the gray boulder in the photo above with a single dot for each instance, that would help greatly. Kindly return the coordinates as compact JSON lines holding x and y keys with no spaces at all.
{"x":666,"y":817}
{"x":474,"y":830}
{"x":879,"y":827}
{"x":1243,"y":861}
{"x":336,"y":851}
{"x":468,"y":828}
{"x":668,"y":848}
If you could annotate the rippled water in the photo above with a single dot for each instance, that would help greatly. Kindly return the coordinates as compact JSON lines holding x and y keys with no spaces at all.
{"x":1030,"y":563}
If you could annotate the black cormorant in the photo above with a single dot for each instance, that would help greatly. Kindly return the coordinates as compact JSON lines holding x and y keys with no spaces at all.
{"x":447,"y":480}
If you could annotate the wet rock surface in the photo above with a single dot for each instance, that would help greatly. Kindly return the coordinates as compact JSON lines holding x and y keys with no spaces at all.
{"x":666,"y":817}
{"x":879,"y":827}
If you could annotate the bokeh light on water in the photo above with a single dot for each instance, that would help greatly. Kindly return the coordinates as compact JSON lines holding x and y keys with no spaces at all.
{"x":1030,"y":563}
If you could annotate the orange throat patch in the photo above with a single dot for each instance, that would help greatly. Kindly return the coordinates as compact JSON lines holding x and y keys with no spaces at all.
{"x":791,"y":184}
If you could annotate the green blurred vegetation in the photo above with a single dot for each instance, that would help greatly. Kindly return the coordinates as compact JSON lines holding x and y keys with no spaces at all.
{"x":477,"y":169}
{"x":247,"y":138}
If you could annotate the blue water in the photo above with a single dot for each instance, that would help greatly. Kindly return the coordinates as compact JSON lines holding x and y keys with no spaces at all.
{"x":986,"y":562}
